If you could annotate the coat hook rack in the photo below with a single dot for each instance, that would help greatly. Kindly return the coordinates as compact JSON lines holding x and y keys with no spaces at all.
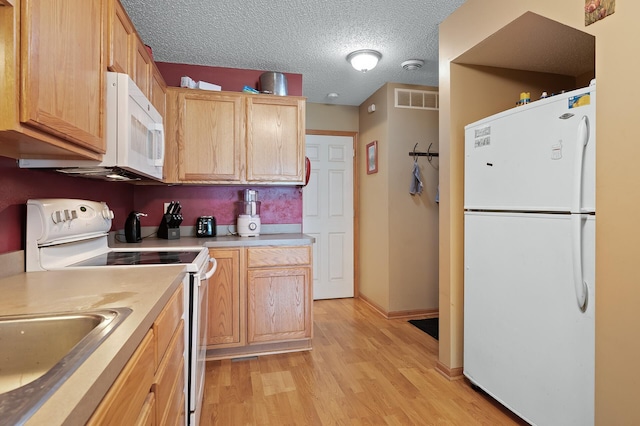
{"x":415,"y":154}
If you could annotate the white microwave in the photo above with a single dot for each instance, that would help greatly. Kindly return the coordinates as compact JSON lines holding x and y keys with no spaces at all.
{"x":134,"y":133}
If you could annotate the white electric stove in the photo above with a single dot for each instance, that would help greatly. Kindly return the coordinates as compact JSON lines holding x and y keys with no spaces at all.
{"x":73,"y":234}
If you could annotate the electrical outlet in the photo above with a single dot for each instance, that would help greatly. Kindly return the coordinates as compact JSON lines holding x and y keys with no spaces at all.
{"x":164,"y":210}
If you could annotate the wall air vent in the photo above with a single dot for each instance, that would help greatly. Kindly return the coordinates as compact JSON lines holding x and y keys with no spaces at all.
{"x":416,"y":99}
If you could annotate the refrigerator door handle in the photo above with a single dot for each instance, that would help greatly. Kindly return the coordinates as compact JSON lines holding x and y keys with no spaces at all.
{"x":582,"y":291}
{"x":581,"y":141}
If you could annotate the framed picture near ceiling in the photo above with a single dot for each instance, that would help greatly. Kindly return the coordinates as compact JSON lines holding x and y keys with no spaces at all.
{"x":372,"y":157}
{"x":594,"y":10}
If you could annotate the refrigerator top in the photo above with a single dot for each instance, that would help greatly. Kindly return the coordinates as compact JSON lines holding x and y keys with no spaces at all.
{"x":562,"y":97}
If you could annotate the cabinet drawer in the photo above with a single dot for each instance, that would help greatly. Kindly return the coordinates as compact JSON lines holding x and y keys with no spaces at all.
{"x":174,"y":412}
{"x":148,"y":413}
{"x":181,"y":409}
{"x":278,"y":256}
{"x":169,"y":371}
{"x":125,"y":400}
{"x":167,"y":322}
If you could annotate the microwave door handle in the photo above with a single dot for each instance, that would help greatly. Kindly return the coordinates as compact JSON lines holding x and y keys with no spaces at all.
{"x":159,"y":145}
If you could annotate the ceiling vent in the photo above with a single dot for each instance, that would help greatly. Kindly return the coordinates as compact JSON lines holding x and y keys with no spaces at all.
{"x":412,"y":64}
{"x":416,"y":99}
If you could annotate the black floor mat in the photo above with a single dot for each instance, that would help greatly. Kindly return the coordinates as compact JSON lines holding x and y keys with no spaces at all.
{"x":429,"y":326}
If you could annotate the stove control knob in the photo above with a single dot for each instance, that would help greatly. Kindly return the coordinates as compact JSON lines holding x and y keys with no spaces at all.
{"x":106,"y":213}
{"x":56,"y":216}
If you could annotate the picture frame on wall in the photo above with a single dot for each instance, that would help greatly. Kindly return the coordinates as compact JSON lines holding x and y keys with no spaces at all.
{"x":372,"y":157}
{"x":595,"y":10}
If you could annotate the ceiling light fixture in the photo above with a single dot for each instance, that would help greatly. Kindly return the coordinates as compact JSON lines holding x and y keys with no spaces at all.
{"x":364,"y":60}
{"x":332,"y":95}
{"x":412,"y":64}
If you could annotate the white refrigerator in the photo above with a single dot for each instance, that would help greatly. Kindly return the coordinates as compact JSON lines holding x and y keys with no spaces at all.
{"x":529,"y":258}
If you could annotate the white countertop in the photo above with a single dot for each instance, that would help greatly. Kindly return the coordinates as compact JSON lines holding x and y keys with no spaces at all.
{"x":145,"y":290}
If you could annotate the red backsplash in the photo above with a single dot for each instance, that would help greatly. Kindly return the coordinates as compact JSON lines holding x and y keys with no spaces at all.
{"x":280,"y":205}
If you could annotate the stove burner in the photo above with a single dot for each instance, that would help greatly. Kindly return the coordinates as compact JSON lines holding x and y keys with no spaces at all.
{"x":120,"y":258}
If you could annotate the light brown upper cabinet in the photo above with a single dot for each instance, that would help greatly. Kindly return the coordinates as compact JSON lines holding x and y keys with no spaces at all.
{"x":275,"y":139}
{"x":142,"y":64}
{"x":204,"y":136}
{"x":158,"y":92}
{"x":120,"y":37}
{"x":53,"y":92}
{"x":126,"y":53}
{"x":234,"y":138}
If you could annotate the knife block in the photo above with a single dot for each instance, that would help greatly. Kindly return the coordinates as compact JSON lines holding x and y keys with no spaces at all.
{"x":169,"y":228}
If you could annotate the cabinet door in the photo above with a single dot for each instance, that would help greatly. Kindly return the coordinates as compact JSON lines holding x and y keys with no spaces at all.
{"x":158,"y":92}
{"x":125,"y":400}
{"x":275,"y":139}
{"x":142,"y":68}
{"x":279,"y":304}
{"x":62,"y":71}
{"x":121,"y":35}
{"x":209,"y":137}
{"x":225,"y":311}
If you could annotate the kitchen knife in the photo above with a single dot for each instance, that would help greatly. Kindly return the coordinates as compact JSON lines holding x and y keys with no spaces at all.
{"x":170,"y":207}
{"x":175,"y":207}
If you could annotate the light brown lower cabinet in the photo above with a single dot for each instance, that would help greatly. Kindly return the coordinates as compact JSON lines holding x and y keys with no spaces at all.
{"x":260,"y":301}
{"x":226,"y":313}
{"x":148,"y":413}
{"x":170,"y":380}
{"x":126,"y":397}
{"x":279,"y":307}
{"x":150,"y":388}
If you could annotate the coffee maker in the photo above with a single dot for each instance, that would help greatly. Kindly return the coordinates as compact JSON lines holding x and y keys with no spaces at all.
{"x":248,"y":224}
{"x":132,"y":227}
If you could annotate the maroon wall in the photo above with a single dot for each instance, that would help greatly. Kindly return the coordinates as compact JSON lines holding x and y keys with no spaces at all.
{"x":279,"y":205}
{"x":18,"y":185}
{"x":231,"y":79}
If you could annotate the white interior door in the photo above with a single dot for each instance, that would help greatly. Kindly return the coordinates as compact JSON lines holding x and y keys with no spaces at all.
{"x":328,"y":214}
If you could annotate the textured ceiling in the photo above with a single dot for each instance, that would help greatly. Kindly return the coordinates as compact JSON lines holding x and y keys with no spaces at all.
{"x":308,"y":37}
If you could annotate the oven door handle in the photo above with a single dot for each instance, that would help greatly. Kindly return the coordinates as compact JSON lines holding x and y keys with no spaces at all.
{"x":211,"y":271}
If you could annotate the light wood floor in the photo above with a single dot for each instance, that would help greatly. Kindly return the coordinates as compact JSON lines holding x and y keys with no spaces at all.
{"x":363,"y":370}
